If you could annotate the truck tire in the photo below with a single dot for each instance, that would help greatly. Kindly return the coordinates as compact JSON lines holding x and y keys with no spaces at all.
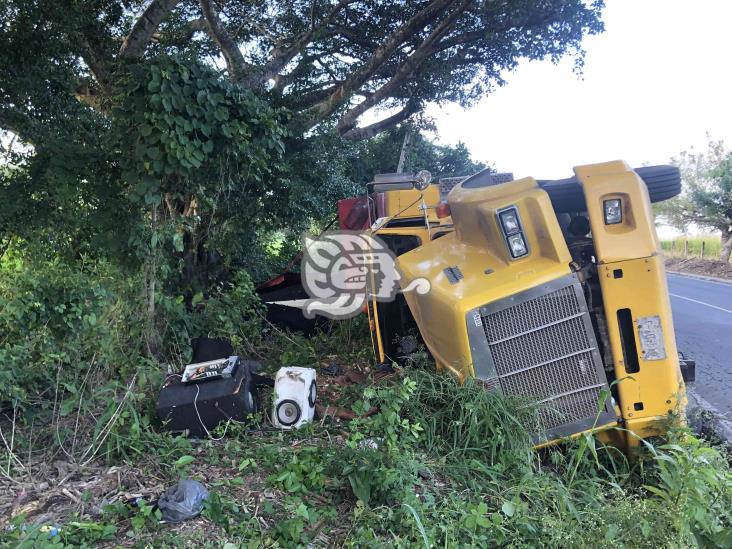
{"x":663,"y":182}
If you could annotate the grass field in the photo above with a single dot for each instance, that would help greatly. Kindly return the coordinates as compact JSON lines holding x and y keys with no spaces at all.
{"x":691,"y":246}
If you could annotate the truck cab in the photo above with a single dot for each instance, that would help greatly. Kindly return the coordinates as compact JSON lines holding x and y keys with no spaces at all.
{"x":551,"y":291}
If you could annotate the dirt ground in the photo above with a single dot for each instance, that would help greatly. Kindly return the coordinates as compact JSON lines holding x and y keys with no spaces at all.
{"x":79,"y":494}
{"x":702,"y":267}
{"x":52,"y":491}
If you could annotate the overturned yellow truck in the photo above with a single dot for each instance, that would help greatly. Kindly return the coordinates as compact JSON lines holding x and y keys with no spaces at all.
{"x":552,"y":291}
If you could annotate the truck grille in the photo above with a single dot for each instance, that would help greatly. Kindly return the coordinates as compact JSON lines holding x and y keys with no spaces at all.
{"x":542,"y":346}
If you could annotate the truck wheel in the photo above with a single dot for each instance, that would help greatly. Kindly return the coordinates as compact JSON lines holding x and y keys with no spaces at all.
{"x":663,"y":182}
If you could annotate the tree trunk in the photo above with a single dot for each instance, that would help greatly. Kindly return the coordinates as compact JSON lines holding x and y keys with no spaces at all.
{"x":190,"y":264}
{"x":151,"y":280}
{"x":726,"y":245}
{"x":199,"y":263}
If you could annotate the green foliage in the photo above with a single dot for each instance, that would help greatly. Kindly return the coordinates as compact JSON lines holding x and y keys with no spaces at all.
{"x":75,"y":534}
{"x":694,"y":483}
{"x":270,"y":50}
{"x":476,"y":430}
{"x":190,"y":131}
{"x":303,"y":473}
{"x":203,"y":155}
{"x":388,"y":422}
{"x":146,"y":515}
{"x":291,"y":532}
{"x":130,"y":143}
{"x":706,"y":198}
{"x":60,"y":321}
{"x":232,"y":311}
{"x":379,"y":462}
{"x":587,"y":494}
{"x":381,"y":155}
{"x":172,"y":180}
{"x":347,"y":340}
{"x":73,"y":353}
{"x":428,"y":462}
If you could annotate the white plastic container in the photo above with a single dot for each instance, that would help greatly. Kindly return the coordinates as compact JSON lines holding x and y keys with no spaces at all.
{"x":295,"y":391}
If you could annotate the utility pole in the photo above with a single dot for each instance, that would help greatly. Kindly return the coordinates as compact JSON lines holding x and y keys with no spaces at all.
{"x":406,"y":148}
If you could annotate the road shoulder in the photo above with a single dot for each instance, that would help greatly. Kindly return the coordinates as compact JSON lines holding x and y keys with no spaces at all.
{"x":701,"y":277}
{"x":712,"y":268}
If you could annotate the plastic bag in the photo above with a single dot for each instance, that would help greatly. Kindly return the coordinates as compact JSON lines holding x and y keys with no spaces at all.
{"x":182,"y":501}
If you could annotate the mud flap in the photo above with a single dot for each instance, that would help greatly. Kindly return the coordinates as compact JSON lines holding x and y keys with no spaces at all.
{"x":688,"y":368}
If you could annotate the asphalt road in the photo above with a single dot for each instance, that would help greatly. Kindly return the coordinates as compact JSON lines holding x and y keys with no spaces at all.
{"x":702,"y":311}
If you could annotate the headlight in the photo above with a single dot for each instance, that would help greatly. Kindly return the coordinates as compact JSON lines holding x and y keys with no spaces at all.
{"x":510,"y":224}
{"x":517,"y":245}
{"x":510,"y":221}
{"x":613,"y":211}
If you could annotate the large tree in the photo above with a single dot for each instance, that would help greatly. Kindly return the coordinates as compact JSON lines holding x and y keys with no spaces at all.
{"x":324,"y":59}
{"x":204,"y":124}
{"x":706,"y":198}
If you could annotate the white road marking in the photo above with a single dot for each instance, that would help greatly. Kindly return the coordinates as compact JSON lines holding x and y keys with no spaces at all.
{"x":700,"y":302}
{"x":700,"y":278}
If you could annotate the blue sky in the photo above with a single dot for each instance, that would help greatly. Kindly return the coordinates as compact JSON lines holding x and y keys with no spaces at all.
{"x":655,"y":82}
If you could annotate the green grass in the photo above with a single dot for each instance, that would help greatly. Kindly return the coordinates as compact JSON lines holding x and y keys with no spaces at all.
{"x":450,"y":468}
{"x":676,"y":247}
{"x":439,"y":465}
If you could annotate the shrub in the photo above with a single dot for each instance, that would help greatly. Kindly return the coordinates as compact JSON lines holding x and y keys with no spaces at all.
{"x":74,"y":355}
{"x":232,"y":311}
{"x":59,"y":322}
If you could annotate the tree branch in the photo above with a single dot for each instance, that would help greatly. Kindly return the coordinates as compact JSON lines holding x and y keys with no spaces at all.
{"x":308,"y":98}
{"x":142,"y":31}
{"x":235,"y":62}
{"x":425,"y":49}
{"x":353,"y":36}
{"x":359,"y":77}
{"x":89,"y":94}
{"x":281,"y":55}
{"x":181,"y":38}
{"x":532,"y":21}
{"x":367,"y":132}
{"x":14,"y":120}
{"x":305,"y":63}
{"x":97,"y":62}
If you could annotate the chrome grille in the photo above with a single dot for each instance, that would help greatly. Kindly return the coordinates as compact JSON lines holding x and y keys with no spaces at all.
{"x":543,"y":347}
{"x":535,"y":313}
